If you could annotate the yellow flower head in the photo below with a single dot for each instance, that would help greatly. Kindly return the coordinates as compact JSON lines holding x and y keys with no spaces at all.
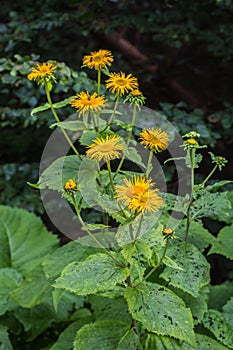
{"x":98,"y":59}
{"x":42,"y":72}
{"x":149,"y":201}
{"x":70,"y":186}
{"x":192,"y":141}
{"x":105,"y":148}
{"x":85,"y":102}
{"x":131,"y":188}
{"x":120,"y":83}
{"x":136,"y":92}
{"x":154,"y":139}
{"x":135,"y":97}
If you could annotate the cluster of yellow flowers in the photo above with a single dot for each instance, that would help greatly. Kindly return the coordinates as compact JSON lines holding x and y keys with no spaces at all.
{"x":137,"y":194}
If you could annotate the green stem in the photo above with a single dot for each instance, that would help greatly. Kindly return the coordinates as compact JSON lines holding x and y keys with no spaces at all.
{"x":210,"y":174}
{"x":113,"y":112}
{"x":98,"y":81}
{"x":89,"y":233}
{"x":132,"y":124}
{"x":139,"y":228}
{"x":128,"y":141}
{"x":192,"y":158}
{"x":58,"y":121}
{"x":160,"y":261}
{"x":149,"y":164}
{"x":110,"y":175}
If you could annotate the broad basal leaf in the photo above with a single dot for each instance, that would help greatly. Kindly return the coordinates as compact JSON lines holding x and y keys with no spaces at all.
{"x":154,"y":341}
{"x":53,"y":264}
{"x":160,"y":311}
{"x":97,"y":273}
{"x":34,"y":290}
{"x":9,"y":280}
{"x":224,"y":243}
{"x":110,"y":309}
{"x":106,"y":335}
{"x":5,"y":343}
{"x":220,"y":294}
{"x":24,"y":239}
{"x":206,"y":343}
{"x":195,"y":269}
{"x":66,"y":338}
{"x":216,"y":323}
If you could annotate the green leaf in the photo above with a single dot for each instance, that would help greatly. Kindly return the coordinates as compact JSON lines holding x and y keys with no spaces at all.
{"x":198,"y":306}
{"x":107,"y":239}
{"x":34,"y":290}
{"x":160,"y":311}
{"x":198,"y":235}
{"x":134,"y":230}
{"x":207,"y":206}
{"x":73,"y":251}
{"x":88,"y":137}
{"x":66,"y":338}
{"x":215,"y":322}
{"x":132,"y":154}
{"x":224,"y":243}
{"x":207,"y":343}
{"x":195,"y":273}
{"x":106,"y":335}
{"x":87,"y":181}
{"x":110,"y":309}
{"x":228,"y":311}
{"x":138,"y":254}
{"x":220,"y":294}
{"x":97,"y":273}
{"x":24,"y":240}
{"x":61,"y":170}
{"x":5,"y":343}
{"x":40,"y":108}
{"x":63,"y":103}
{"x":154,"y":341}
{"x":73,"y":125}
{"x":9,"y":280}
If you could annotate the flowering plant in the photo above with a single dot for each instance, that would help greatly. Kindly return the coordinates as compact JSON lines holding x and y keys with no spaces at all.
{"x":137,"y":257}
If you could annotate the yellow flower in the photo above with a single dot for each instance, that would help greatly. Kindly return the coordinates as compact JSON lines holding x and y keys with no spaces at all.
{"x":120,"y":83}
{"x":136,"y":92}
{"x":149,"y":201}
{"x":85,"y":102}
{"x":192,"y":141}
{"x":131,"y":188}
{"x":98,"y":59}
{"x":42,"y":72}
{"x":154,"y":139}
{"x":70,"y":186}
{"x":105,"y":148}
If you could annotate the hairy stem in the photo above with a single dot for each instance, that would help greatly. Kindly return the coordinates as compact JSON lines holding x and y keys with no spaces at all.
{"x":160,"y":261}
{"x":210,"y":174}
{"x":58,"y":121}
{"x":192,"y":158}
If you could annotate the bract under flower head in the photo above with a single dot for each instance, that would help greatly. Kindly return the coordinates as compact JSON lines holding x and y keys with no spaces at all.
{"x":154,"y":139}
{"x":42,"y":72}
{"x":85,"y":102}
{"x":98,"y":59}
{"x":120,"y":83}
{"x":105,"y":148}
